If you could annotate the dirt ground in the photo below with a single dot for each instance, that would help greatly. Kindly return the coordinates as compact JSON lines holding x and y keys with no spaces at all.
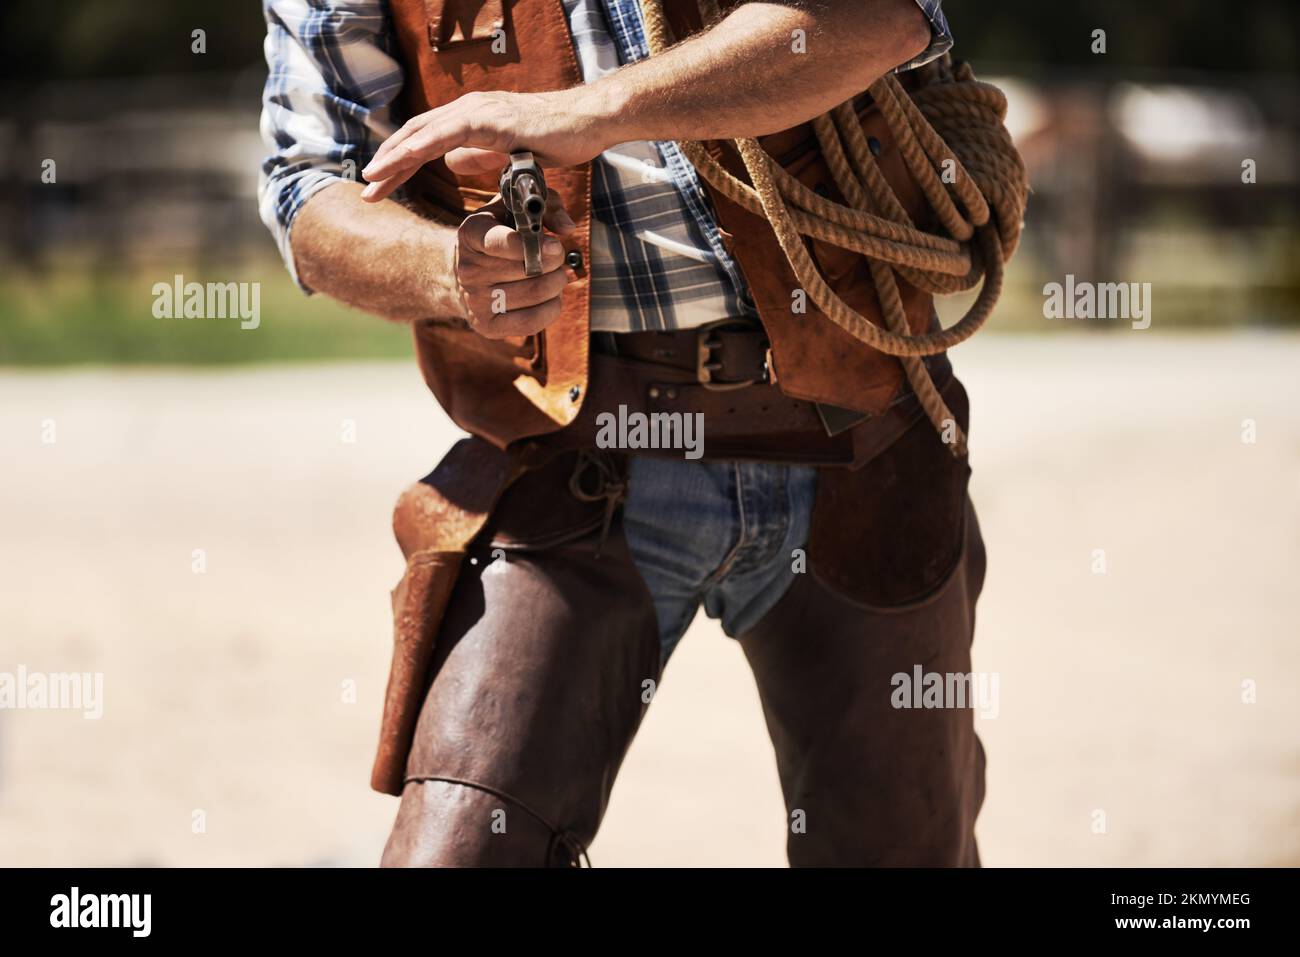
{"x":228,"y":693}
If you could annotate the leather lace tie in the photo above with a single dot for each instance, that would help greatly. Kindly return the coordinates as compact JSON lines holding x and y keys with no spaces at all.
{"x":611,"y":485}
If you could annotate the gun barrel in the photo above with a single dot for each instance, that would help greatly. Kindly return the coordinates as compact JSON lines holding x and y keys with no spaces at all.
{"x":529,"y":198}
{"x":524,"y":190}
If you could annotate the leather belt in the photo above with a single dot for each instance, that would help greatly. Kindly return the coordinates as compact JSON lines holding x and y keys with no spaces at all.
{"x":724,"y":355}
{"x":716,"y":371}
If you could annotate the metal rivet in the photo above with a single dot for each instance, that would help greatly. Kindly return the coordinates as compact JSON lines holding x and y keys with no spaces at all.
{"x":672,"y":393}
{"x":654,"y":392}
{"x":873,"y":144}
{"x":574,"y":258}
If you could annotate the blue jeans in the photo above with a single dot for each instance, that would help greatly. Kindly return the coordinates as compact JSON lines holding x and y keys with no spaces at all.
{"x":721,"y":534}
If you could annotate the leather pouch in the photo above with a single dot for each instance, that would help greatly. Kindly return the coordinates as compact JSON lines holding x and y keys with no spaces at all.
{"x":889,"y":534}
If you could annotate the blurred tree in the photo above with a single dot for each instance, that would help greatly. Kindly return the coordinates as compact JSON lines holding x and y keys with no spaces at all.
{"x":45,"y":39}
{"x":52,"y":39}
{"x":1164,"y":36}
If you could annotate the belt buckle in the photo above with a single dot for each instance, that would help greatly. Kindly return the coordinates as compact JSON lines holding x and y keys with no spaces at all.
{"x":706,"y":365}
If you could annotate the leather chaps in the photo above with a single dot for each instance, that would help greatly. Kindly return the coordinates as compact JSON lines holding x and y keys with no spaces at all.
{"x":546,"y":644}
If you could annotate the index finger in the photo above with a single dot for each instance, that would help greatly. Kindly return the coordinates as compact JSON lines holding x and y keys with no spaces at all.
{"x":438,"y":135}
{"x":491,"y":237}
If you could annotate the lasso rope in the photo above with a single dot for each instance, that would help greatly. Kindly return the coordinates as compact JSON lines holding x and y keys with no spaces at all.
{"x":951,"y":123}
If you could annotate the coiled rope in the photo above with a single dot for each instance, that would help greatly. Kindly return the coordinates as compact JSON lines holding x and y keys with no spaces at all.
{"x":951,"y":136}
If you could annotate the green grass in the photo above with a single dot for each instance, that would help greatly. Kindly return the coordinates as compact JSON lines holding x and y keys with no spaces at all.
{"x":74,"y":314}
{"x":81,"y":316}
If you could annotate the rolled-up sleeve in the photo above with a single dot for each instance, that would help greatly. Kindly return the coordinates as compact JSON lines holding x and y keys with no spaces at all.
{"x":333,"y":76}
{"x":940,"y":35}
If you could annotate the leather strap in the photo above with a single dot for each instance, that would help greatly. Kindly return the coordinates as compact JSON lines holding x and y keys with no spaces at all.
{"x":575,"y":850}
{"x":753,"y":423}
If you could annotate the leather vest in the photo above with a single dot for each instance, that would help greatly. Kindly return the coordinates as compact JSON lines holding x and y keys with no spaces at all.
{"x":511,"y":389}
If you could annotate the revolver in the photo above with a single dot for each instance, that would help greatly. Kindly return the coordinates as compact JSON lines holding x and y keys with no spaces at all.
{"x":523,"y":188}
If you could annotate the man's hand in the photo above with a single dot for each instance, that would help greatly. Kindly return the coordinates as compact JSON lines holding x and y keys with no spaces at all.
{"x":477,"y":133}
{"x":417,"y":268}
{"x":489,"y":262}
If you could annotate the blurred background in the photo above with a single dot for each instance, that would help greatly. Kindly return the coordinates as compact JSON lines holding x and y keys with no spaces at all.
{"x":1160,"y":690}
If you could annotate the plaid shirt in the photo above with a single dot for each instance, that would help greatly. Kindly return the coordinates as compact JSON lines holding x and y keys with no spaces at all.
{"x":657,"y":260}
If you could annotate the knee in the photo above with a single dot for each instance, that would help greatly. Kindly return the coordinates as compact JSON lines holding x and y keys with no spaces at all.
{"x":440,"y":824}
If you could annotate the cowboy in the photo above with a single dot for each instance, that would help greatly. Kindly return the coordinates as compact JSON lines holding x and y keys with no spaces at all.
{"x":737,"y":229}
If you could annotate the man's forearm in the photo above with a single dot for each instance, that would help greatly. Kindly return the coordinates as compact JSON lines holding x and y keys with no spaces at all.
{"x":749,"y":74}
{"x":380,"y":257}
{"x":744,"y":76}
